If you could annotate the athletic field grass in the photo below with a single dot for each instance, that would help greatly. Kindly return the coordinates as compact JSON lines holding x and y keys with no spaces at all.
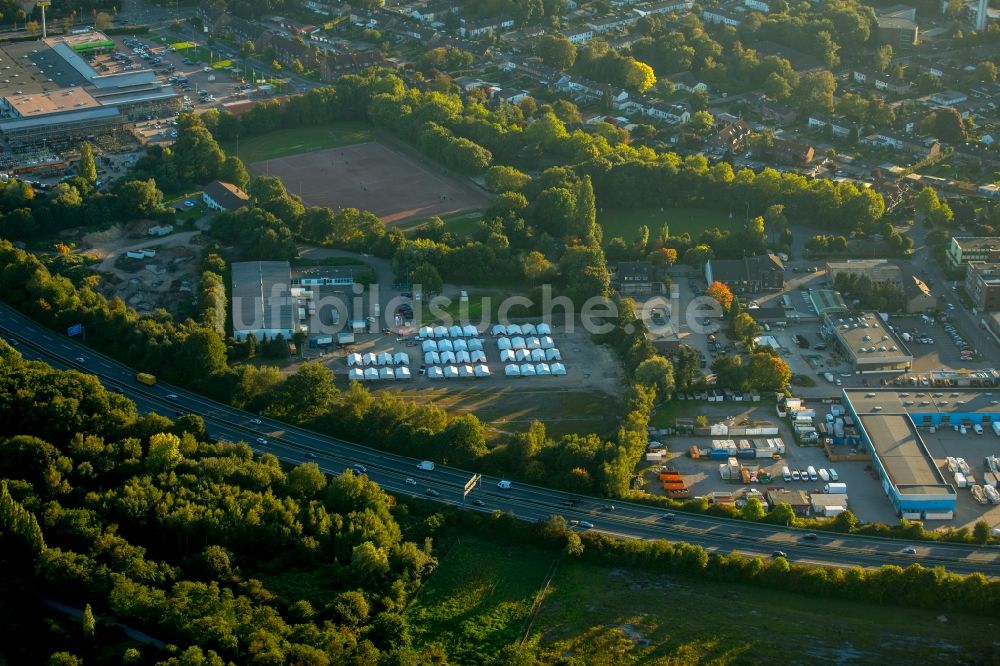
{"x":625,"y":222}
{"x":294,"y":140}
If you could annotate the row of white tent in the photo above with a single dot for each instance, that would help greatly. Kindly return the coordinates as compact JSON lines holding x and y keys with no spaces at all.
{"x":474,"y":344}
{"x":528,"y":370}
{"x":384,"y":358}
{"x":544,"y":342}
{"x":508,"y":355}
{"x":373,"y":374}
{"x":521,"y":329}
{"x":456,"y":331}
{"x":462,"y":371}
{"x":437,"y":358}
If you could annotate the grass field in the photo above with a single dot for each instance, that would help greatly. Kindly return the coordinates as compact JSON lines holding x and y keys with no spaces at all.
{"x":625,"y":222}
{"x":477,"y":599}
{"x":282,"y":143}
{"x":462,"y":224}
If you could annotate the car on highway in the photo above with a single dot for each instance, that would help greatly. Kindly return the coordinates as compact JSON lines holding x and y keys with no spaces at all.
{"x":809,"y":536}
{"x":261,"y":440}
{"x":359,"y":469}
{"x":255,"y":421}
{"x":189,"y":203}
{"x":669,"y":516}
{"x":910,"y":550}
{"x":80,"y":359}
{"x":433,"y":493}
{"x":779,"y":553}
{"x":410,"y":481}
{"x":608,"y":507}
{"x":586,"y":525}
{"x":171,"y":396}
{"x":479,"y":502}
{"x":504,"y":485}
{"x":311,"y":456}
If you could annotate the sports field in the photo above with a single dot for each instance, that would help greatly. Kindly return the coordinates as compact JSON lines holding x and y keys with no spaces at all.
{"x":625,"y":222}
{"x":295,"y":140}
{"x":371,"y":176}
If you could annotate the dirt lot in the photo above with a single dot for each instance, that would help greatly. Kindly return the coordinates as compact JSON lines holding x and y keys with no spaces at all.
{"x":163,"y":280}
{"x":371,"y":176}
{"x":587,"y":399}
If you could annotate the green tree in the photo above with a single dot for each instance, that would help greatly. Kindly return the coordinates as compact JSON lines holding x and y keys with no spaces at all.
{"x":506,"y":179}
{"x":87,"y":168}
{"x":585,"y":213}
{"x":752,"y":510}
{"x":556,"y":51}
{"x":196,"y":154}
{"x":427,"y":276}
{"x":164,"y":452}
{"x":981,"y":532}
{"x":658,"y":373}
{"x":306,"y":480}
{"x":138,"y":198}
{"x":234,"y":172}
{"x":88,"y":622}
{"x":815,"y":91}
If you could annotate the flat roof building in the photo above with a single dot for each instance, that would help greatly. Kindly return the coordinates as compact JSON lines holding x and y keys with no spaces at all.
{"x":982,"y":283}
{"x":262,"y":300}
{"x":893,"y":425}
{"x":827,"y":302}
{"x":869,"y":344}
{"x":876,"y":270}
{"x":964,"y":249}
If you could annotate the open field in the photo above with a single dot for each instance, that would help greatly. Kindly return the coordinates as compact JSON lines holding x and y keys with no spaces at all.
{"x":462,"y":225}
{"x":625,"y":222}
{"x":371,"y":176}
{"x":295,"y":140}
{"x":602,"y":615}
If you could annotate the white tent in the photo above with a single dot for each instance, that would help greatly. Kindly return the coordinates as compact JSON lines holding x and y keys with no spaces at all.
{"x":543,"y":369}
{"x":532,"y":343}
{"x":537,"y":355}
{"x":528,"y":370}
{"x":478,"y":356}
{"x":547,"y":342}
{"x":429,"y":345}
{"x":354,"y":359}
{"x":356,"y":374}
{"x":503,"y":343}
{"x":463,"y":357}
{"x":553,"y":355}
{"x":465,"y":371}
{"x":445,"y":345}
{"x":401,"y":358}
{"x":558,"y":369}
{"x":403,"y":373}
{"x":469,"y":331}
{"x":522,"y":355}
{"x":461,"y":345}
{"x":475,"y":344}
{"x":513,"y":329}
{"x":450,"y":372}
{"x":432,"y":358}
{"x":369,"y":359}
{"x":482,"y":371}
{"x":426,"y":332}
{"x":528,"y":329}
{"x":386,"y":373}
{"x":385,"y":358}
{"x":434,"y":372}
{"x":517,"y":343}
{"x":455,"y":331}
{"x":440,"y":332}
{"x":371,"y":374}
{"x":498,"y":329}
{"x":512,"y":371}
{"x":447,"y":357}
{"x":543,"y":329}
{"x":507,"y":355}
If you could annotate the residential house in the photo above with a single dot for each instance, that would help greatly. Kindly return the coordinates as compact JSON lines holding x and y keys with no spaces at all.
{"x":879,"y":271}
{"x":580,"y":87}
{"x":840,"y":127}
{"x":720,"y":17}
{"x":673,"y":114}
{"x":919,"y":298}
{"x":897,"y":28}
{"x":792,"y":152}
{"x":757,"y":5}
{"x":982,"y":283}
{"x":509,"y":96}
{"x":948,"y":97}
{"x":687,"y":82}
{"x":610,"y":23}
{"x":964,"y":249}
{"x":883,"y":140}
{"x":902,"y":142}
{"x":667,"y":7}
{"x":579,"y":35}
{"x":223,"y":197}
{"x":634,"y":278}
{"x":749,"y":275}
{"x":733,"y":136}
{"x":773,"y":112}
{"x":884,"y":82}
{"x":472,"y":29}
{"x":341,"y":64}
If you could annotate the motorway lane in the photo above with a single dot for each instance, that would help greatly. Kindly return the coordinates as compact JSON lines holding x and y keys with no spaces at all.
{"x":527,"y":502}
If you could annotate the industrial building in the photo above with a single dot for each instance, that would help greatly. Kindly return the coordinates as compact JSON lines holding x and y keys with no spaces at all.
{"x":262,"y":303}
{"x":53,"y":95}
{"x":869,"y":344}
{"x":894,"y":425}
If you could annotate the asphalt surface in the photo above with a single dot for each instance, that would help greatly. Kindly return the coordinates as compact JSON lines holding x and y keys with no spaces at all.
{"x":527,"y":502}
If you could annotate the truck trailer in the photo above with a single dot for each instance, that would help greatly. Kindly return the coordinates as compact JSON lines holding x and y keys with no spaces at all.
{"x":145,"y":378}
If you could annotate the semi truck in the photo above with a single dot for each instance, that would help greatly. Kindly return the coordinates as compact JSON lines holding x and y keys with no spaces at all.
{"x":145,"y":378}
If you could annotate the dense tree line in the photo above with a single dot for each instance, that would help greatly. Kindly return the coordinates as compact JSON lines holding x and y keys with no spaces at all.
{"x":143,"y":520}
{"x":882,"y":296}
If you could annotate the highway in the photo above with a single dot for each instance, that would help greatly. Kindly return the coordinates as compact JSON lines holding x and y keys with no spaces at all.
{"x":527,"y":502}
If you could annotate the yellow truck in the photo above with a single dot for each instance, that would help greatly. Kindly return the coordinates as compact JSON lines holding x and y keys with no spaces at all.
{"x":144,"y":378}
